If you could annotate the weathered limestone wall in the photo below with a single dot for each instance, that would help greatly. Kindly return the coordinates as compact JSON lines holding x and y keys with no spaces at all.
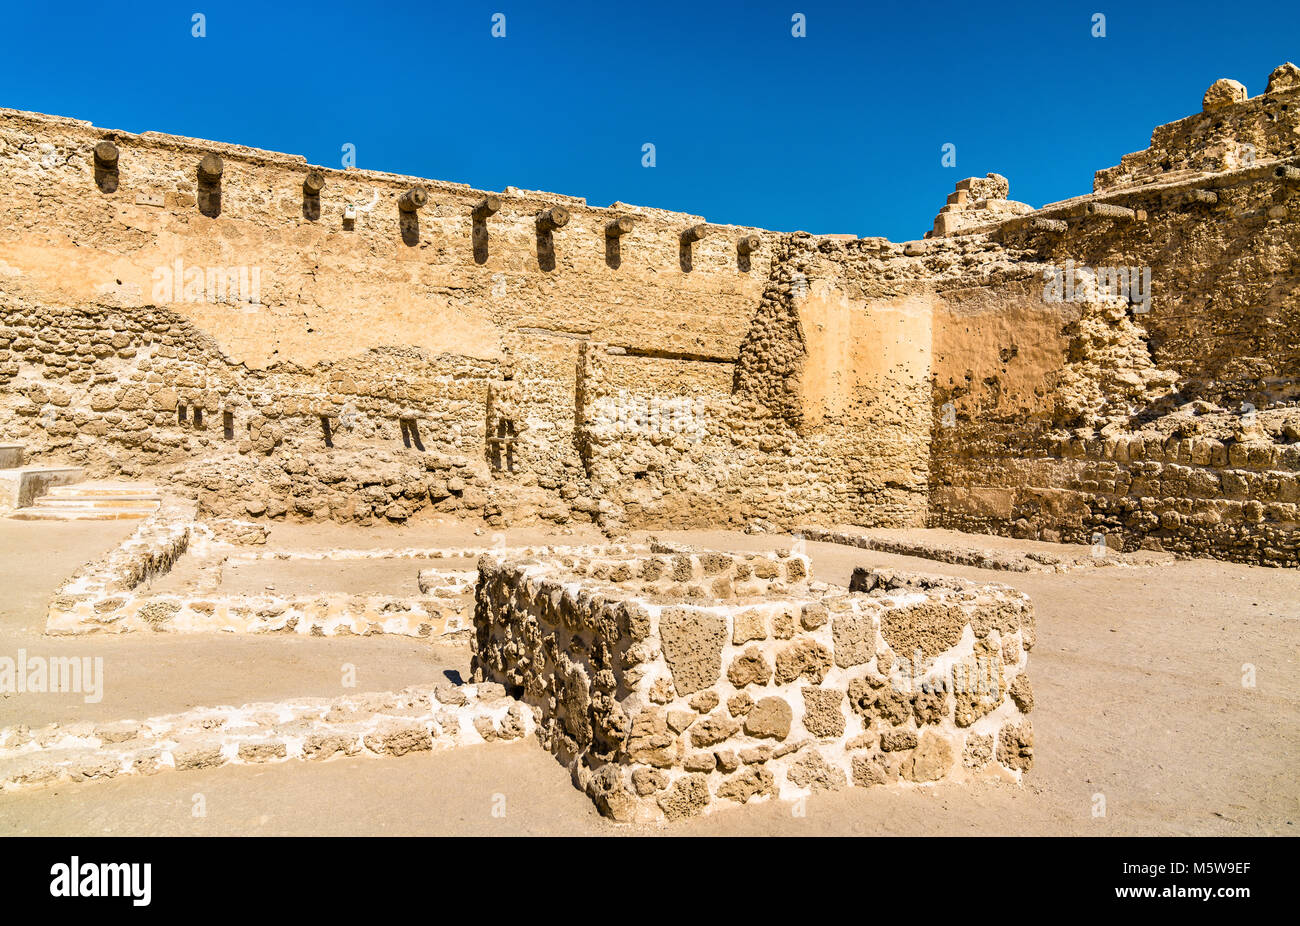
{"x":388,"y":315}
{"x":105,"y":387}
{"x":828,"y":416}
{"x":358,"y":327}
{"x":1224,"y":278}
{"x":673,"y":685}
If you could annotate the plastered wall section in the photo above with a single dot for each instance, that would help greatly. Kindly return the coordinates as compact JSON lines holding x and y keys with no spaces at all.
{"x":327,"y":291}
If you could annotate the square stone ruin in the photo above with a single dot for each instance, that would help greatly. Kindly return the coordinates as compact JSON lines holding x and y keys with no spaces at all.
{"x":676,"y":684}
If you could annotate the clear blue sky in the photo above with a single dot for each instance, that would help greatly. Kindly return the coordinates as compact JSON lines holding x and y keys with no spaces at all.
{"x":840,"y":131}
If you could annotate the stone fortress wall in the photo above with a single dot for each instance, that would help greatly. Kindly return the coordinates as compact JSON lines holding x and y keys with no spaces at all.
{"x":523,"y":355}
{"x":363,"y":322}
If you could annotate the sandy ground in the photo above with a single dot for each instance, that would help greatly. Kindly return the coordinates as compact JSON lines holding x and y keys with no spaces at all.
{"x":357,"y":577}
{"x":1137,"y":675}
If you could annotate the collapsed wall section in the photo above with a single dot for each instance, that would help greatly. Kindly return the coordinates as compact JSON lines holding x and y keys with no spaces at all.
{"x":1169,"y":422}
{"x":1161,"y":412}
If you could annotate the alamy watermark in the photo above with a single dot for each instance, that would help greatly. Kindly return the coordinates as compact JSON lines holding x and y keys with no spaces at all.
{"x":1080,"y":283}
{"x":229,"y":285}
{"x":82,"y":675}
{"x":75,"y":878}
{"x":626,"y":413}
{"x":980,"y":675}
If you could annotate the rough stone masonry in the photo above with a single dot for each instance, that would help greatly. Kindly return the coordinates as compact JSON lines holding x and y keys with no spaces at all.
{"x":671,"y":685}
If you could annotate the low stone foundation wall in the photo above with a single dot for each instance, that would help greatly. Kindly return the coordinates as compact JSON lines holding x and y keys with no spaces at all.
{"x":318,"y":615}
{"x":665,"y":707}
{"x":150,"y":551}
{"x":334,"y":554}
{"x":415,"y":719}
{"x":1061,"y":560}
{"x":111,"y":595}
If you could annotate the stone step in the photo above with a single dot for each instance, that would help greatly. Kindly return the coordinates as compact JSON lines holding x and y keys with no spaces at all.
{"x":22,"y":486}
{"x":11,"y":456}
{"x":98,"y":500}
{"x":104,"y":490}
{"x":87,"y":513}
{"x":108,"y":501}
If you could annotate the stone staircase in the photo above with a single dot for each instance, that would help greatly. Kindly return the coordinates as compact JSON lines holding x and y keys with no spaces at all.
{"x":92,"y":501}
{"x":57,"y":493}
